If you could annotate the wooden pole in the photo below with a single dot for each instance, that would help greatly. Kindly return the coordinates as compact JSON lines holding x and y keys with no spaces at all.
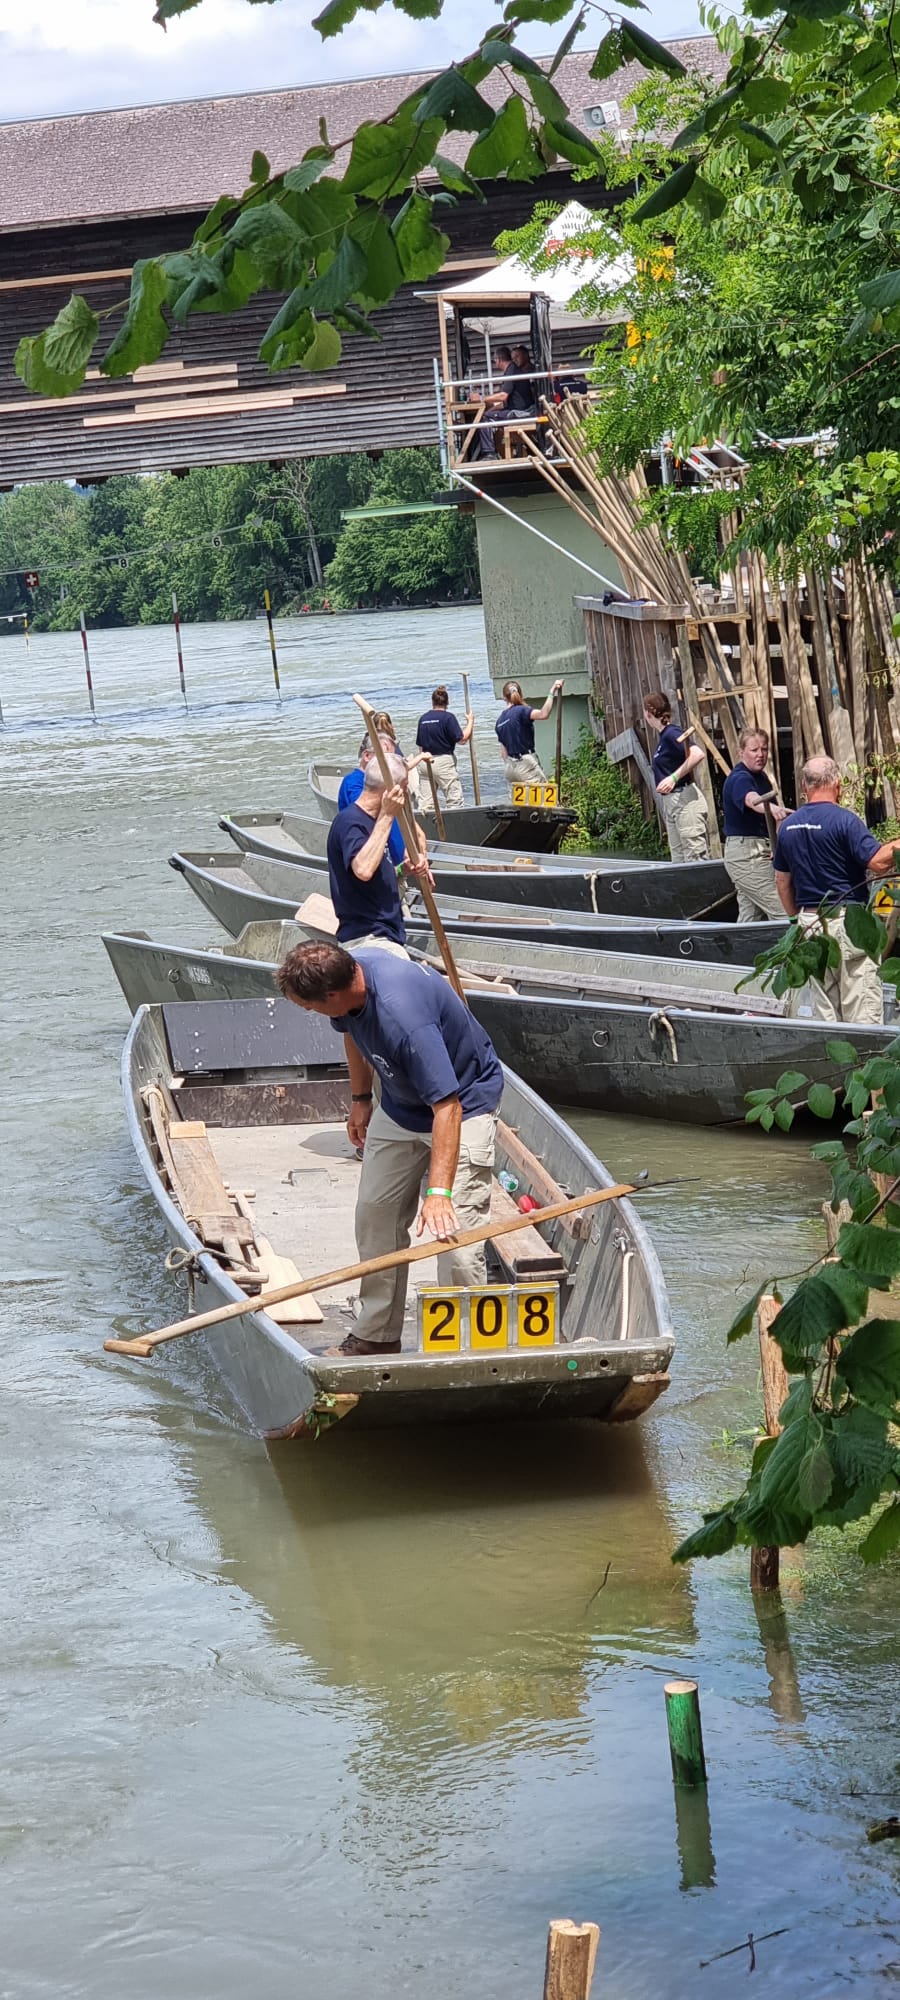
{"x":559,"y":734}
{"x":475,"y":784}
{"x":145,"y":1343}
{"x":692,"y":705}
{"x":438,"y":815}
{"x":765,"y":1561}
{"x":87,"y":668}
{"x":178,"y":647}
{"x":571,"y":1957}
{"x":268,"y":604}
{"x":685,"y":1733}
{"x":410,"y":834}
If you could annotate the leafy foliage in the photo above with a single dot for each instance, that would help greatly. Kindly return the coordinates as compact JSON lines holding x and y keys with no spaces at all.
{"x":609,"y":812}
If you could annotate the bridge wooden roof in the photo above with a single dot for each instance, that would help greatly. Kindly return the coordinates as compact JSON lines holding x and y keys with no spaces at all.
{"x":157,"y":159}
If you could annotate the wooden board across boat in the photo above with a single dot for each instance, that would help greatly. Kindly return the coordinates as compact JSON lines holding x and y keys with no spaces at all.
{"x":237,"y":1113}
{"x":240,"y":889}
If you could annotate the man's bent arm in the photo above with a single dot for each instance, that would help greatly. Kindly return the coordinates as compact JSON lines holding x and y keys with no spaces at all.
{"x":368,"y":858}
{"x":785,"y":887}
{"x":884,"y":862}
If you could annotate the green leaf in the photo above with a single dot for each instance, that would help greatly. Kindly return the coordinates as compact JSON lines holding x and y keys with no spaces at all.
{"x":55,"y":362}
{"x":345,"y":275}
{"x":783,"y":1113}
{"x":823,"y":1304}
{"x":456,"y":178}
{"x":384,"y":274}
{"x":864,"y":929}
{"x":339,"y":13}
{"x":260,"y":170}
{"x":384,"y":158}
{"x":801,"y":37}
{"x":869,"y":1364}
{"x":503,"y":142}
{"x":278,"y":250}
{"x":743,"y":1320}
{"x":144,"y":332}
{"x":668,"y":194}
{"x":858,"y":1441}
{"x":325,"y":349}
{"x":568,"y":41}
{"x":766,"y":1117}
{"x":707,"y":201}
{"x":815,"y":1478}
{"x":609,"y":57}
{"x":563,"y":137}
{"x":877,"y":95}
{"x":880,"y":293}
{"x":759,"y":1097}
{"x":298,"y":179}
{"x":867,"y":1247}
{"x":821,"y":1100}
{"x":638,"y":44}
{"x":546,"y":11}
{"x":289,"y":334}
{"x":883,"y":1536}
{"x":717,"y":1535}
{"x":780,"y":1483}
{"x":841,"y":1052}
{"x":765,"y":96}
{"x":420,"y":10}
{"x":452,"y":99}
{"x":790,"y":1079}
{"x":420,"y":247}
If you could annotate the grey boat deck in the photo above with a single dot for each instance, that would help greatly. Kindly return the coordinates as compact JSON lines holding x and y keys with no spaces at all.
{"x":299,"y":1174}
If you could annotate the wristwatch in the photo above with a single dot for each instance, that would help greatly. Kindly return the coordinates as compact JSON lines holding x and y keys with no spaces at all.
{"x":361,"y":1097}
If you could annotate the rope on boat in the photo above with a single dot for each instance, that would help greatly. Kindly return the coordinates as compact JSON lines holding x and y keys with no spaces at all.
{"x":593,"y":882}
{"x":661,"y":1020}
{"x":185,"y":1260}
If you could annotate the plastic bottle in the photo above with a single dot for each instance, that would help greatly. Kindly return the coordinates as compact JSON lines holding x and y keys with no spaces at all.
{"x":507,"y":1181}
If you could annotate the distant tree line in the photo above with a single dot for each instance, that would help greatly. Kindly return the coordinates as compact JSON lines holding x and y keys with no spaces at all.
{"x":219,"y":536}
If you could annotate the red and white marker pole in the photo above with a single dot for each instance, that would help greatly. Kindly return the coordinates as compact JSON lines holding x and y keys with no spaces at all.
{"x":87,"y":668}
{"x":178,"y":647}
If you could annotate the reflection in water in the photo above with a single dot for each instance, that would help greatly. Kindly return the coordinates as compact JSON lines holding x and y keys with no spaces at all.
{"x":785,"y":1699}
{"x":694,"y":1834}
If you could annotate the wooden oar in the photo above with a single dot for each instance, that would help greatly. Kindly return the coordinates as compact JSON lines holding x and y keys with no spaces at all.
{"x":438,"y":815}
{"x":410,"y":834}
{"x":145,"y":1343}
{"x":559,"y":730}
{"x":475,"y":784}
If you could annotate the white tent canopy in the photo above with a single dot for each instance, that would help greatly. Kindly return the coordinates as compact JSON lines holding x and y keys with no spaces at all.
{"x":489,"y":301}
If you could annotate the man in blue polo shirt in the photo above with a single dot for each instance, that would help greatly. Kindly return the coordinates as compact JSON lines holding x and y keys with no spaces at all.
{"x":823,"y":858}
{"x":438,"y":734}
{"x":362,"y":877}
{"x":441,"y":1085}
{"x":747,"y":854}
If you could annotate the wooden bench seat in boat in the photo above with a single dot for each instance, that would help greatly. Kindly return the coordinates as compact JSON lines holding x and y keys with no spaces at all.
{"x":525,"y":1255}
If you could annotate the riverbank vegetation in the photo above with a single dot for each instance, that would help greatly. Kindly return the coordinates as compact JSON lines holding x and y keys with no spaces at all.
{"x":610,"y":814}
{"x":221,"y":535}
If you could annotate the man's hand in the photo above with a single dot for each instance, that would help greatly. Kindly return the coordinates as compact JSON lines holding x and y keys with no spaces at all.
{"x":358,"y":1123}
{"x":665,"y":786}
{"x":391,"y":802}
{"x":779,"y":813}
{"x":420,"y":870}
{"x":439,"y":1215}
{"x":558,"y":686}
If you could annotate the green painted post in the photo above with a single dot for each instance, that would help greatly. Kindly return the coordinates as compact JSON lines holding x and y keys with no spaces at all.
{"x":685,"y":1733}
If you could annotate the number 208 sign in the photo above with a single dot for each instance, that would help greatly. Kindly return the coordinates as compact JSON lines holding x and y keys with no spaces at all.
{"x":489,"y":1321}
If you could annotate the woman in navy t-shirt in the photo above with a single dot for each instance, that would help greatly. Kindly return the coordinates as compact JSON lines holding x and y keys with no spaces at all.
{"x":748,"y":855}
{"x":683,"y":805}
{"x":515,"y":730}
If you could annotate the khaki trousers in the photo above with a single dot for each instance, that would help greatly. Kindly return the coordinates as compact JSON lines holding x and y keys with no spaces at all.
{"x":382,"y":943}
{"x":748,"y":861}
{"x":446,"y":779}
{"x":852,"y":991}
{"x":394,"y":1163}
{"x":525,"y":770}
{"x":686,"y":815}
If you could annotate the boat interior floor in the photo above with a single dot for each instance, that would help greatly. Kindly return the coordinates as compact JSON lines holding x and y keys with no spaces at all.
{"x":300,"y":1183}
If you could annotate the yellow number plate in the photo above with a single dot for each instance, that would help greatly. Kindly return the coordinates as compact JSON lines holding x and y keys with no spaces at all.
{"x":441,"y":1322}
{"x":536,"y":1318}
{"x":488,"y":1320}
{"x":535,"y":795}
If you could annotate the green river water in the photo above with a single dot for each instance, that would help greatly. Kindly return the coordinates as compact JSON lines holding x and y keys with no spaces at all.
{"x":357,"y":1719}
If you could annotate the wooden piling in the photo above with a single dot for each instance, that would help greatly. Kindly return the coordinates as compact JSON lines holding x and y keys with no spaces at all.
{"x":685,"y":1733}
{"x":268,"y":604}
{"x":765,"y":1562}
{"x":178,"y":647}
{"x":87,"y":668}
{"x":571,"y":1957}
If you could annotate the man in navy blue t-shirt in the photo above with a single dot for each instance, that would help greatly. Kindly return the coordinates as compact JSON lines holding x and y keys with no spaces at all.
{"x":438,"y":734}
{"x":441,"y":1085}
{"x":823,"y":858}
{"x":362,"y":877}
{"x":747,"y":854}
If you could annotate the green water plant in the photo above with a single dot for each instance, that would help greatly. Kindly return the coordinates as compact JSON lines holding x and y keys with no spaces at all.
{"x":610,"y":814}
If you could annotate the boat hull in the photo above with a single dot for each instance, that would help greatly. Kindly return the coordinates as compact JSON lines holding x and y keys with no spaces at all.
{"x":534,"y":829}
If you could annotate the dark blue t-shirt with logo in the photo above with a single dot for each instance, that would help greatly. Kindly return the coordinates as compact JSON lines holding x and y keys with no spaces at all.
{"x":363,"y":909}
{"x":423,"y":1042}
{"x":516,"y":729}
{"x":351,"y":786}
{"x":741,"y":821}
{"x":825,"y":850}
{"x":669,"y":754}
{"x":438,"y":732}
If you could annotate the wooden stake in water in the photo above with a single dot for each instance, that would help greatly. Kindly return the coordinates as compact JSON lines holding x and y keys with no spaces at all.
{"x":685,"y":1734}
{"x":87,"y":668}
{"x":475,"y":784}
{"x":178,"y":647}
{"x":571,"y":1956}
{"x":268,"y":604}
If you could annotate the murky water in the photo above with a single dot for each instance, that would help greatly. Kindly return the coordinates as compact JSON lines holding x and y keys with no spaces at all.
{"x":360,"y":1718}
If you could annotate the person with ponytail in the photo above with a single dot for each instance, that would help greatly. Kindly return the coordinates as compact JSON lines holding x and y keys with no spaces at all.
{"x":514,"y":728}
{"x":684,"y":808}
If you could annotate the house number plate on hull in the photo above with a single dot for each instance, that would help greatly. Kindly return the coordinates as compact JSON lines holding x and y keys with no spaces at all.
{"x":452,"y":1319}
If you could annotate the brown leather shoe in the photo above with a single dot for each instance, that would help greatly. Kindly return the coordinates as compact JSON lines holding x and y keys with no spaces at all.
{"x":353,"y":1345}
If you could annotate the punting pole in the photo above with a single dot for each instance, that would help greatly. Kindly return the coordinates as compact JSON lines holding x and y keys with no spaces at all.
{"x":475,"y":784}
{"x":178,"y":647}
{"x":87,"y":668}
{"x":268,"y":604}
{"x":438,"y":815}
{"x":559,"y":746}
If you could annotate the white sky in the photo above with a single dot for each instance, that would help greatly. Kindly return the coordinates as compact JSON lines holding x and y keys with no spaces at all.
{"x":82,"y":55}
